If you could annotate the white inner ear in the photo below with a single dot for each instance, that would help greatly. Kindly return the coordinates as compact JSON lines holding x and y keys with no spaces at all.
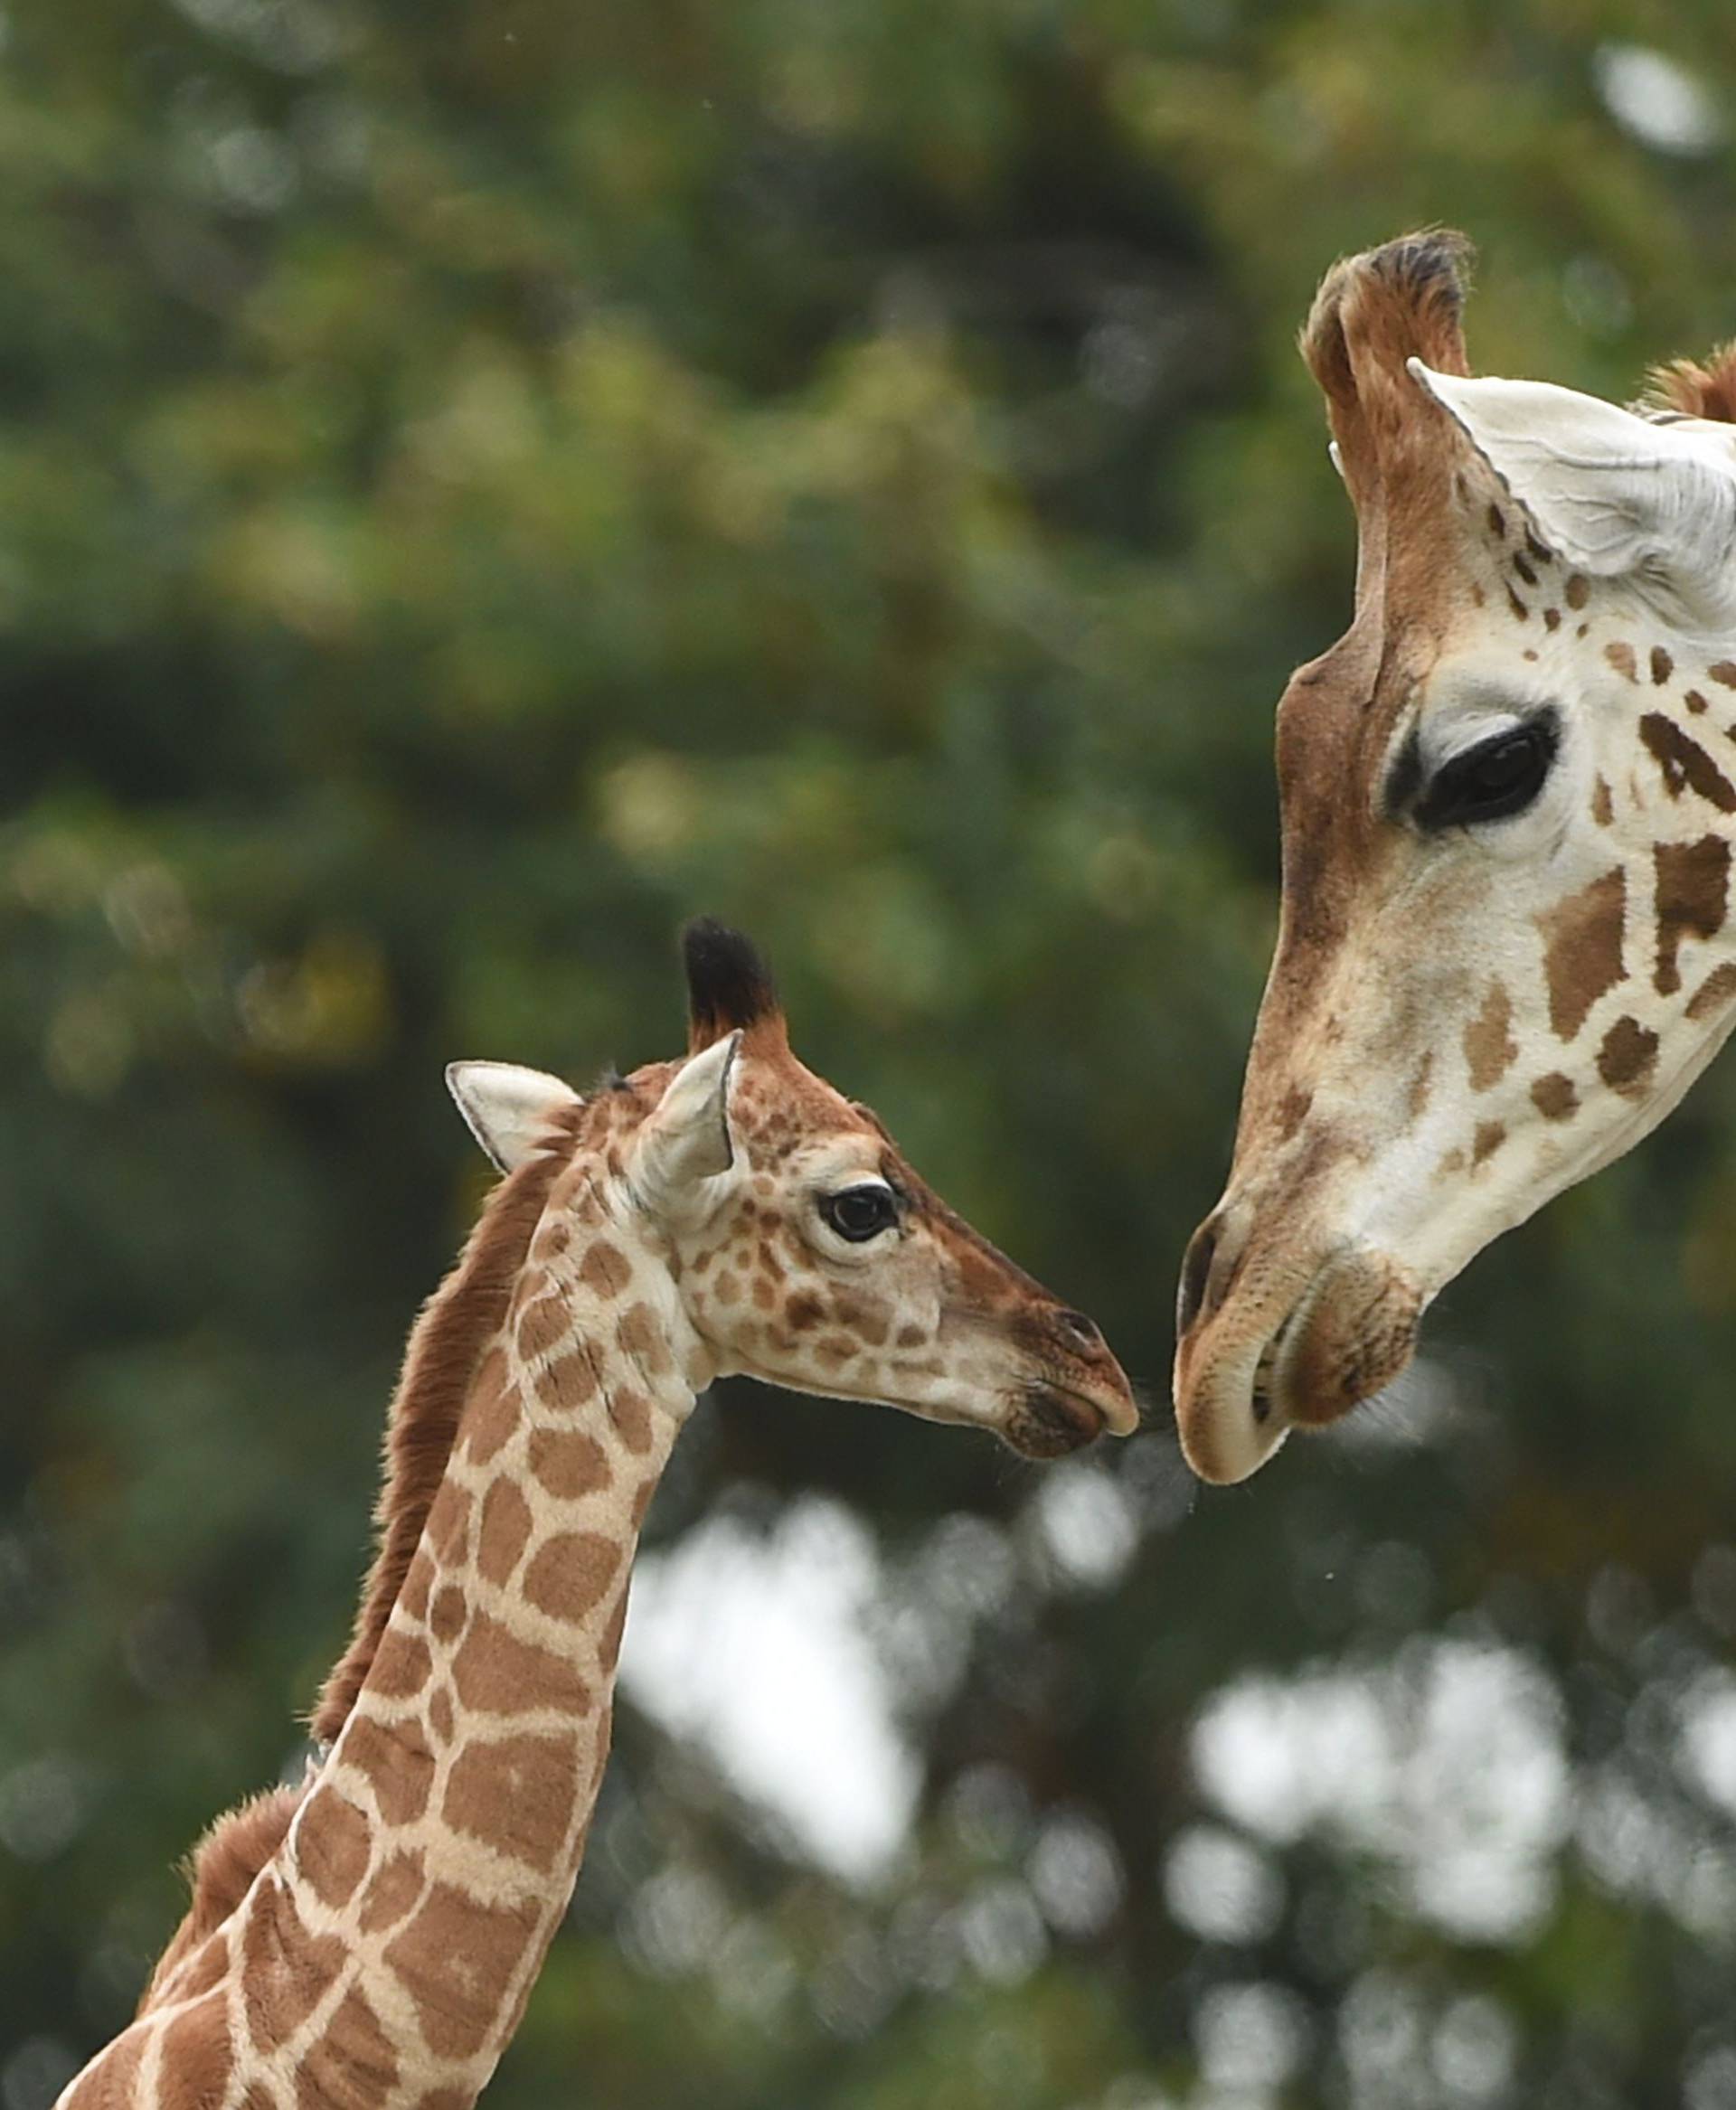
{"x":506,"y":1108}
{"x":1610,"y":492}
{"x":686,"y":1140}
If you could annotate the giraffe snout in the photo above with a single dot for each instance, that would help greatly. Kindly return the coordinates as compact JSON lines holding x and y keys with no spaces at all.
{"x":1074,"y":1361}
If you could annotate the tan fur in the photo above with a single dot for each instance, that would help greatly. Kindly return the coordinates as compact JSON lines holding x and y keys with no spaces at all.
{"x":1697,"y":388}
{"x":455,"y":1325}
{"x":1372,"y":313}
{"x":221,"y":1870}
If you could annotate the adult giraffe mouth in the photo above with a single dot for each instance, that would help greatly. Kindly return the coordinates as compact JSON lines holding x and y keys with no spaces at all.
{"x":1345,"y":1336}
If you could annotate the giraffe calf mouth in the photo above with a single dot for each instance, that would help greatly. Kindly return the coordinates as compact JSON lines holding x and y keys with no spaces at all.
{"x":1050,"y":1420}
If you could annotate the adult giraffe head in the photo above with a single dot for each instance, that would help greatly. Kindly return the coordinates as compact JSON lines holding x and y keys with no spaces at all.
{"x":1508,"y":795}
{"x":799,"y":1246}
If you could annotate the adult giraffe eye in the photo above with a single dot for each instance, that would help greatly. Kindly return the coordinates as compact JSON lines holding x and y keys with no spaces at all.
{"x":860,"y":1213}
{"x":1496,"y":777}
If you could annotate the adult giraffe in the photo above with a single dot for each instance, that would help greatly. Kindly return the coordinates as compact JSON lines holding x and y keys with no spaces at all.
{"x":1508,"y":796}
{"x":371,"y":1937}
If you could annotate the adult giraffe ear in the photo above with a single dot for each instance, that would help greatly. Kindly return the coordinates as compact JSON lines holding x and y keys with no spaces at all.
{"x":506,"y":1108}
{"x":1613,"y":494}
{"x":686,"y":1140}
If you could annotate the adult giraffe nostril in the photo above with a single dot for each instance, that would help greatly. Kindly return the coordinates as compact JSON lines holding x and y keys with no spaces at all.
{"x":1196,"y":1271}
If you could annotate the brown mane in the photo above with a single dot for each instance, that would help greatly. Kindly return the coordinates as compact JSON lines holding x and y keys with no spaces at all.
{"x":220,"y":1872}
{"x":447,"y":1343}
{"x":1697,"y":388}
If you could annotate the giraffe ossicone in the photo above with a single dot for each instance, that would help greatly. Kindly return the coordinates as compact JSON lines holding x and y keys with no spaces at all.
{"x":369,"y":1938}
{"x":1508,"y":800}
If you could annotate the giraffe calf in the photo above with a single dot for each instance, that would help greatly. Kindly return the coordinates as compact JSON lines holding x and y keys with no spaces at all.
{"x":371,"y":1939}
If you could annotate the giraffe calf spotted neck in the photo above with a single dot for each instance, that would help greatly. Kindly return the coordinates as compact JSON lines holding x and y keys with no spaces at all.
{"x":391,"y":1945}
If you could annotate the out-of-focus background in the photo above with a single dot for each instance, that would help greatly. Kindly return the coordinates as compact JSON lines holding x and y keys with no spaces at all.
{"x":479,"y":483}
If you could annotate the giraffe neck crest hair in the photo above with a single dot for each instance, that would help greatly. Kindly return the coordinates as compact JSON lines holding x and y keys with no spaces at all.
{"x":417,"y":1881}
{"x":454,"y":1329}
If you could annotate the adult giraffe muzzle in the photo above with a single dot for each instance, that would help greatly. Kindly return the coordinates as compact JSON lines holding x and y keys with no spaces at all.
{"x":1507,"y":799}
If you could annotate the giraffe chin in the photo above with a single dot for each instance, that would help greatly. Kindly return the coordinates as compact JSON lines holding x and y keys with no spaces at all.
{"x":1349,"y":1333}
{"x":1047,"y":1421}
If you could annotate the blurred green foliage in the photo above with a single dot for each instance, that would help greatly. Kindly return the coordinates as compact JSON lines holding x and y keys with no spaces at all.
{"x":480,"y":483}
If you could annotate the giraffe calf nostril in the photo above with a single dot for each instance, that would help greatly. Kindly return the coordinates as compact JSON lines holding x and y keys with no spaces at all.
{"x":1084,"y":1329}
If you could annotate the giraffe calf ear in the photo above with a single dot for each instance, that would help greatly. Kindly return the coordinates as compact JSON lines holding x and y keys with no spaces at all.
{"x":687,"y":1139}
{"x":507,"y":1109}
{"x":1612,"y":494}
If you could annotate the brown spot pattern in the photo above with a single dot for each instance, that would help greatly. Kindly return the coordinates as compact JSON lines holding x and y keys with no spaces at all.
{"x":1490,"y":1048}
{"x":1723,"y":673}
{"x":1627,"y":1057}
{"x":1554,"y":1097}
{"x":352,"y":2062}
{"x":505,"y":1526}
{"x":413,"y":1597}
{"x":804,"y":1310}
{"x":490,"y":1422}
{"x":332,"y":1845}
{"x":439,"y":1715}
{"x":1576,"y":592}
{"x":402,"y":1665}
{"x":446,"y":1617}
{"x":1490,"y":1136}
{"x":543,"y":1327}
{"x":1663,"y":666}
{"x":397,"y":1760}
{"x":497,"y":1673}
{"x":1692,"y":898}
{"x":1685,"y":763}
{"x":284,"y":1969}
{"x":570,"y":1573}
{"x":631,"y":1411}
{"x":196,"y":2054}
{"x":567,"y":1463}
{"x":569,"y":1381}
{"x":517,"y":1794}
{"x":456,"y":1959}
{"x":396,"y":1886}
{"x":1582,"y":949}
{"x":1602,"y":806}
{"x":639,"y":1335}
{"x":1620,"y":655}
{"x":605,"y":1269}
{"x":448,"y":1525}
{"x":1713,"y":993}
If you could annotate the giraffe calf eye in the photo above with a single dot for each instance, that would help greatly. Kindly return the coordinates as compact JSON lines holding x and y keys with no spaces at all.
{"x":1497,"y":778}
{"x":860,"y":1213}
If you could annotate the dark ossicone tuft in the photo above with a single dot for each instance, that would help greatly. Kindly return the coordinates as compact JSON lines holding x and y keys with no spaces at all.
{"x":1429,"y":269}
{"x":728,"y":985}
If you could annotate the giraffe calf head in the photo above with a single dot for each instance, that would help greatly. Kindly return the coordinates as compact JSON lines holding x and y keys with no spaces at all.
{"x":759,"y":1222}
{"x":1508,"y":796}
